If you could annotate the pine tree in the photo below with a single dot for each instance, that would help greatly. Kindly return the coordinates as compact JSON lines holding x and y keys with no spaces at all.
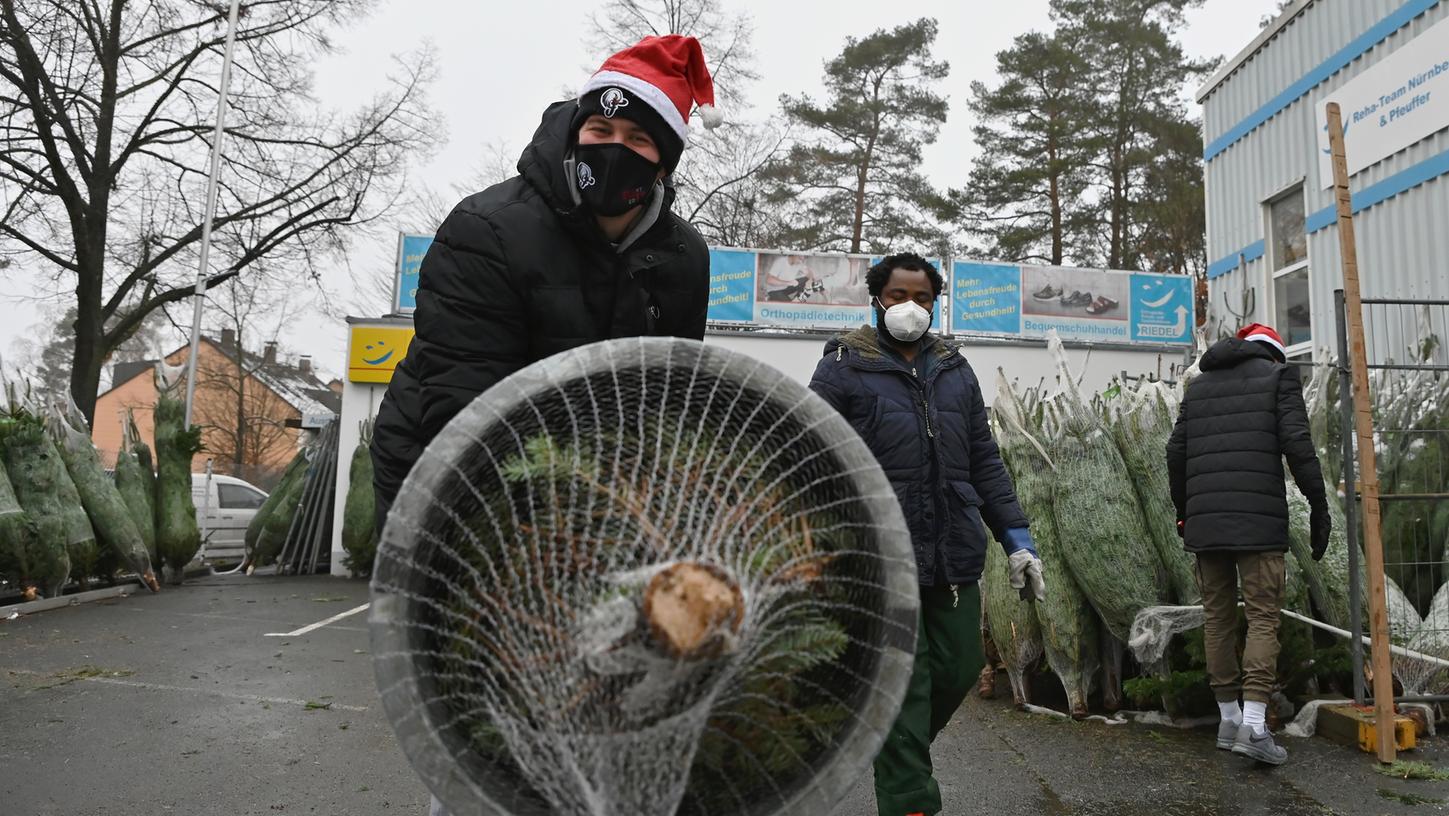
{"x":1027,"y":191}
{"x":853,"y":182}
{"x":1171,"y":212}
{"x":1136,"y":71}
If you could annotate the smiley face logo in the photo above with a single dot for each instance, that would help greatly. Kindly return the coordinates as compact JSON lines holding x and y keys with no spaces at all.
{"x":376,"y":349}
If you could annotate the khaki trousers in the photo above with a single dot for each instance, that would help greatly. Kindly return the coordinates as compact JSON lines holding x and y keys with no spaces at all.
{"x":1218,"y":577}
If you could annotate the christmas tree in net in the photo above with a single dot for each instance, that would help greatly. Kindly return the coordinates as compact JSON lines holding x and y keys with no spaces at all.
{"x":644,"y":577}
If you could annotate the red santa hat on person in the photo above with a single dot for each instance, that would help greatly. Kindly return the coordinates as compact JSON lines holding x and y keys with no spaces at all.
{"x":656,"y":83}
{"x":1259,"y":333}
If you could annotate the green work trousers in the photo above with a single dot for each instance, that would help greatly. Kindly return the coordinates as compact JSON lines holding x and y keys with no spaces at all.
{"x":948,"y":663}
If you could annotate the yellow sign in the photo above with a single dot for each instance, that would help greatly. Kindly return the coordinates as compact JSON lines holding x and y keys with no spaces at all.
{"x":375,"y":351}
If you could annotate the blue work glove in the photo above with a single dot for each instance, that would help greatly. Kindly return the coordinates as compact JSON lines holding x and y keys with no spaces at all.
{"x":1024,"y":564}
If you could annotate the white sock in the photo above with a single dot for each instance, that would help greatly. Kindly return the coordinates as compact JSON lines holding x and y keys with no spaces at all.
{"x":1256,"y":715}
{"x":1231,"y":712}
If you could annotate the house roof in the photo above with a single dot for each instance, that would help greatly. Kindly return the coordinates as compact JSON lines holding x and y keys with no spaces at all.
{"x":304,"y":391}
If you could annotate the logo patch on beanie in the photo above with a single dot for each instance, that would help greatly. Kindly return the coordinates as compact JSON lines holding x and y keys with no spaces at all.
{"x":586,"y":176}
{"x":611,"y":100}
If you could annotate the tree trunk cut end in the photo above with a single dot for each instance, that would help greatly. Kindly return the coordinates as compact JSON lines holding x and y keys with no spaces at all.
{"x":691,"y":608}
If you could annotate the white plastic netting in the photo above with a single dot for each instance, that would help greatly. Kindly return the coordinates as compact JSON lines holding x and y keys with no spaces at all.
{"x":644,"y":577}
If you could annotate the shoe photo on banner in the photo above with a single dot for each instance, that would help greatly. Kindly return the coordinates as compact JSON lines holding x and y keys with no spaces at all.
{"x":1102,"y":305}
{"x":1047,"y":292}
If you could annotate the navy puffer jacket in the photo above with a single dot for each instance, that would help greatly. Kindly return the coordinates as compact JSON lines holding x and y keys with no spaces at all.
{"x":913,"y":417}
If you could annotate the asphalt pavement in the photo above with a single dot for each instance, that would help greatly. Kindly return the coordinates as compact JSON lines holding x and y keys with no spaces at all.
{"x":186,"y":703}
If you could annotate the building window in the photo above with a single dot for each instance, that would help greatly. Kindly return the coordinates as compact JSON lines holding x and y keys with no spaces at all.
{"x":1288,"y":256}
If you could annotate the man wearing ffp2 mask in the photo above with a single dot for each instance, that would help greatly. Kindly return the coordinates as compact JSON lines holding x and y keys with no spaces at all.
{"x":917,"y":404}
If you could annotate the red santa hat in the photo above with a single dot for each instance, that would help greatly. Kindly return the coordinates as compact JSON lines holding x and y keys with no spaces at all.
{"x":1257,"y":332}
{"x":666,"y":73}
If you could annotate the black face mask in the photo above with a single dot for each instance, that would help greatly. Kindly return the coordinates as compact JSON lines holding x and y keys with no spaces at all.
{"x":611,"y":178}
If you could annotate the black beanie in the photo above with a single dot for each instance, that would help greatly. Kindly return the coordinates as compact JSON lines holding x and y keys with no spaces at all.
{"x":613,"y":101}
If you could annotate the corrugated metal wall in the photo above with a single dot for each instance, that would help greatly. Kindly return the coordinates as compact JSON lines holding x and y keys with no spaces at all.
{"x":1403,"y":242}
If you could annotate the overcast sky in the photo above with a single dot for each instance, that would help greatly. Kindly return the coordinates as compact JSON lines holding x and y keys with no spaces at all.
{"x":500,"y":63}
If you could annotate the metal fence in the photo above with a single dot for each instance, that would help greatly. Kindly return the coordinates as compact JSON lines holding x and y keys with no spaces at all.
{"x":1409,"y":385}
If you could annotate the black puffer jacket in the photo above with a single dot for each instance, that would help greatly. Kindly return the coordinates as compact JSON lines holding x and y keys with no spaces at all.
{"x":1240,"y":417}
{"x":927,"y":426}
{"x":518,"y":273}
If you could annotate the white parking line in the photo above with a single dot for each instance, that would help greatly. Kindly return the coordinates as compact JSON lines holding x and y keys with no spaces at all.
{"x":319,"y":624}
{"x":251,"y":698}
{"x":255,"y":698}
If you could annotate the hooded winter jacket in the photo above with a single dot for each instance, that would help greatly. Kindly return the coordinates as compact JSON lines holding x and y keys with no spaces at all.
{"x":518,"y":273}
{"x":926,"y":424}
{"x":1239,"y":418}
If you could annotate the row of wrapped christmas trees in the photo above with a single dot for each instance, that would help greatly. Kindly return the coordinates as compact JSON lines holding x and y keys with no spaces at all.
{"x":1091,"y":474}
{"x":63,"y":516}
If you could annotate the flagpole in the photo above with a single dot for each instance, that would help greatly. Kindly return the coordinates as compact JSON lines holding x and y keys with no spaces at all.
{"x":202,"y":270}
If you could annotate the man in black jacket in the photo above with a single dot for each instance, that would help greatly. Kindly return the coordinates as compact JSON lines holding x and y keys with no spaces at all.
{"x":917,"y":404}
{"x":580,"y":247}
{"x":1240,"y":417}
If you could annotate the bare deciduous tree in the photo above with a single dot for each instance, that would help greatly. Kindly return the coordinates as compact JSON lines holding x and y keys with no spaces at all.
{"x":106,"y":116}
{"x":245,"y":421}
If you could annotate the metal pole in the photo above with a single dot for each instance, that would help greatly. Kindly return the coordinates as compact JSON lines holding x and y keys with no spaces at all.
{"x":1350,"y":500}
{"x":205,"y":511}
{"x":1383,"y":680}
{"x":201,"y":272}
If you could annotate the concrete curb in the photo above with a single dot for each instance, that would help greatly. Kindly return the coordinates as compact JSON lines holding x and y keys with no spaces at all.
{"x":47,"y":604}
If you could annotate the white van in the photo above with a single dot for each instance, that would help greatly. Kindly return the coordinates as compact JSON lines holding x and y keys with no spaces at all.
{"x":223,"y":515}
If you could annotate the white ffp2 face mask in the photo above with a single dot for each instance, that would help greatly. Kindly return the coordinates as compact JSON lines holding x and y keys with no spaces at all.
{"x":907,"y":321}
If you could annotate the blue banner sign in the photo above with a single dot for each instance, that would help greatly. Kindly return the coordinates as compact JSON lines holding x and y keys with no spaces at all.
{"x":1088,"y":305}
{"x":731,"y":285}
{"x":1162,"y":308}
{"x":410,"y":252}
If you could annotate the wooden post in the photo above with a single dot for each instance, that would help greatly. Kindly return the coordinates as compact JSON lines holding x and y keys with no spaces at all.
{"x":1383,"y":688}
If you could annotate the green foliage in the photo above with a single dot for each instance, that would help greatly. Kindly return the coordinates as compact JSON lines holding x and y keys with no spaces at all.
{"x":853,"y":182}
{"x":559,"y":515}
{"x":80,"y":536}
{"x":177,"y":536}
{"x":136,"y":490}
{"x":1011,"y":621}
{"x":1131,"y":122}
{"x":1087,"y":154}
{"x":1403,"y":769}
{"x":1028,"y":192}
{"x":272,"y":536}
{"x":109,"y":515}
{"x":1103,"y":535}
{"x":1185,"y":691}
{"x":295,"y":470}
{"x":1069,"y":626}
{"x":1141,"y":434}
{"x":359,"y":523}
{"x":35,"y":472}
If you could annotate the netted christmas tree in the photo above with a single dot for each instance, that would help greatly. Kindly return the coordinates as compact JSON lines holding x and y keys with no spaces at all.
{"x":646,"y":576}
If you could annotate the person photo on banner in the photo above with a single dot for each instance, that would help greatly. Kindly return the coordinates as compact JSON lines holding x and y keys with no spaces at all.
{"x":789,"y":279}
{"x":844,"y":281}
